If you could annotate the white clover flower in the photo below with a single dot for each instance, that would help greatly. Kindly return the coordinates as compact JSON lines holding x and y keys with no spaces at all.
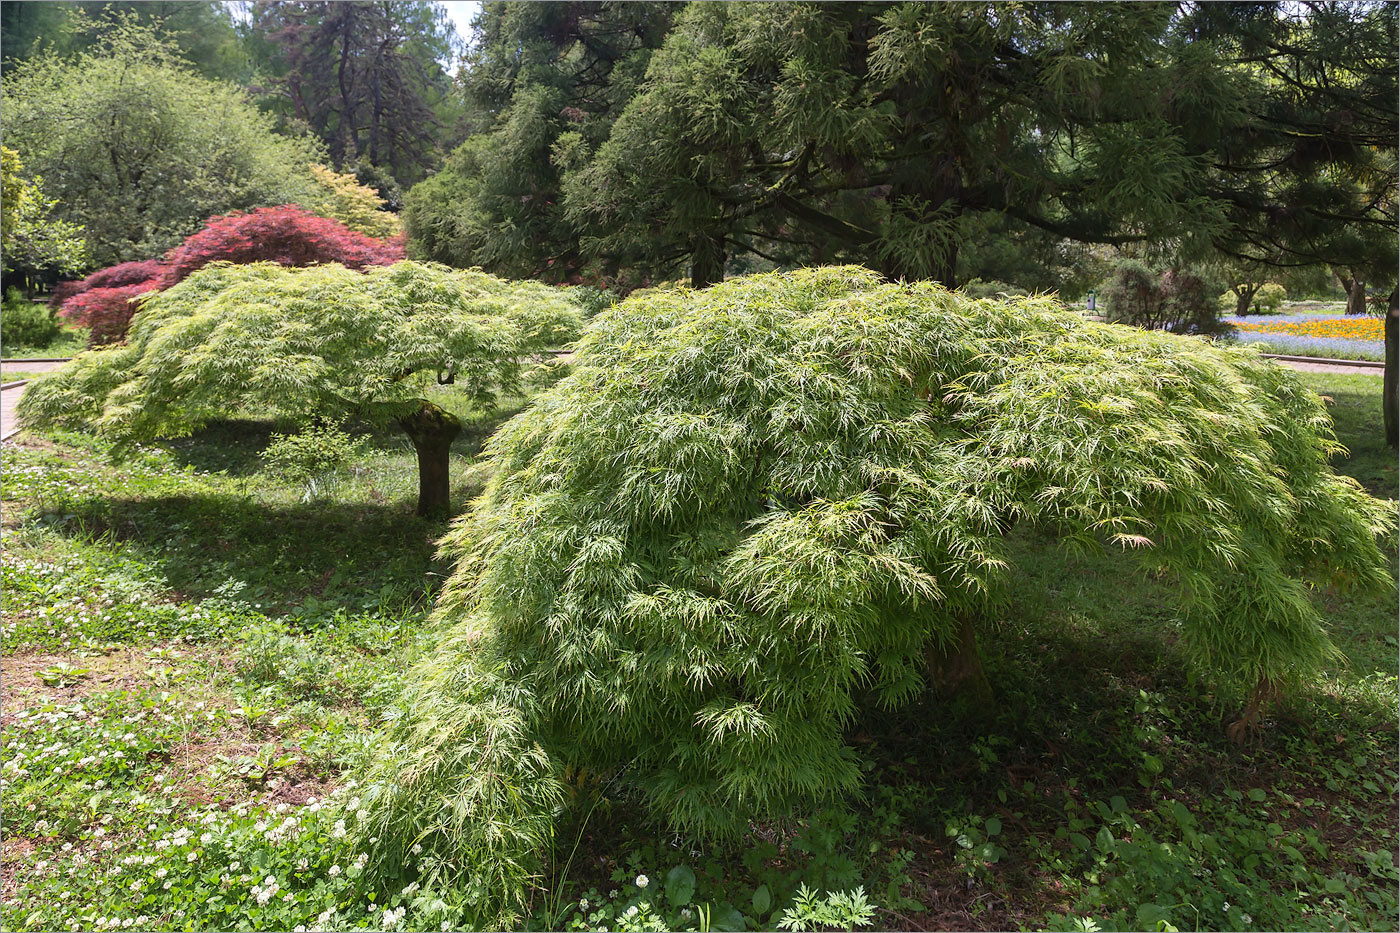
{"x":643,"y":881}
{"x":335,"y":870}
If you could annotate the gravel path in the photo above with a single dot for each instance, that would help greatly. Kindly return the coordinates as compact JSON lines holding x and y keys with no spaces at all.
{"x":9,"y":398}
{"x":1331,"y":368}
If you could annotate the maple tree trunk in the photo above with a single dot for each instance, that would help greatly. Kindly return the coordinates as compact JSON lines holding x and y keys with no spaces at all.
{"x":954,"y":668}
{"x":1356,"y":297}
{"x":432,"y":431}
{"x":1242,"y":299}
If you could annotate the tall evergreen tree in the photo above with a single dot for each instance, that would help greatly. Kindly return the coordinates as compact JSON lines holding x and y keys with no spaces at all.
{"x":367,"y":77}
{"x":545,"y":81}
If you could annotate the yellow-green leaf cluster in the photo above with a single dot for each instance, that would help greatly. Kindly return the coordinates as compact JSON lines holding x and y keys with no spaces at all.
{"x":323,"y":340}
{"x":749,"y":506}
{"x":341,"y":197}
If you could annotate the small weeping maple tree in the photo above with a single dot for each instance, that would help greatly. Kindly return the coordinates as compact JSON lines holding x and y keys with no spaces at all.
{"x":752,"y":505}
{"x":288,"y":235}
{"x":323,"y":340}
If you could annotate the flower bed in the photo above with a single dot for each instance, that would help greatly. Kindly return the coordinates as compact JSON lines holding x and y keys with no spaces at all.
{"x":1323,"y":335}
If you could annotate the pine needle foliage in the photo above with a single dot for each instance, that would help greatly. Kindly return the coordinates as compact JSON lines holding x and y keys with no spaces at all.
{"x":754,"y":507}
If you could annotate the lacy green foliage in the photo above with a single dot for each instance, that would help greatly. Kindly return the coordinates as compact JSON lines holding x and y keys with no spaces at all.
{"x":300,"y":342}
{"x":462,"y":789}
{"x":751,"y":508}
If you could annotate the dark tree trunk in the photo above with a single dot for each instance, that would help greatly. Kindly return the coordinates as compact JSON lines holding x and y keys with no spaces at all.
{"x":955,"y":668}
{"x":432,"y":431}
{"x":1243,"y":296}
{"x":1390,"y":403}
{"x":1356,"y":297}
{"x":707,"y":262}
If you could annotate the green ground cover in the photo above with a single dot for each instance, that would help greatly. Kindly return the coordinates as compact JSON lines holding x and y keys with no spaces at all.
{"x":198,"y":655}
{"x":69,"y":341}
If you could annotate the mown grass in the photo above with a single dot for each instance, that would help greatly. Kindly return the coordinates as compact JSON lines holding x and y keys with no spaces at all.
{"x":197,"y":656}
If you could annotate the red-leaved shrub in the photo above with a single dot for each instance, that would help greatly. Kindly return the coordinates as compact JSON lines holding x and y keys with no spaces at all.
{"x":288,"y":235}
{"x":107,"y":311}
{"x":126,"y":273}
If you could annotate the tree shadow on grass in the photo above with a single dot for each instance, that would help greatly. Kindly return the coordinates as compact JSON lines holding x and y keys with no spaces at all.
{"x":235,"y":446}
{"x":359,"y":557}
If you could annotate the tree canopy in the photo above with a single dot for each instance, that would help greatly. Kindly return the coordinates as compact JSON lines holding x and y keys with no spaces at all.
{"x":324,"y":340}
{"x":31,"y":239}
{"x":140,"y":150}
{"x":367,"y":78}
{"x":907,"y":135}
{"x":755,"y":508}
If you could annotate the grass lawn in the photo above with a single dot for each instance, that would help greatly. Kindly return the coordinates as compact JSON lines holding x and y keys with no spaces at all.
{"x":197,"y":656}
{"x":71,"y":340}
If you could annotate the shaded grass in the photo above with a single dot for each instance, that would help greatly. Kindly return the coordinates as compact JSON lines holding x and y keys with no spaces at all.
{"x":70,"y":341}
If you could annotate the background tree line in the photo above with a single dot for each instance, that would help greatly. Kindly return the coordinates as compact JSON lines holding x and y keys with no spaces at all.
{"x":947,"y":141}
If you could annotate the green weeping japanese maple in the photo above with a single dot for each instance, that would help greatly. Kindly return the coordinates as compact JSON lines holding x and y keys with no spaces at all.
{"x":323,"y":340}
{"x":749,"y":506}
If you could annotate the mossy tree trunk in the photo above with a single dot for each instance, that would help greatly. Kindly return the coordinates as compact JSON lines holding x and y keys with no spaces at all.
{"x":432,"y":431}
{"x":955,"y":670}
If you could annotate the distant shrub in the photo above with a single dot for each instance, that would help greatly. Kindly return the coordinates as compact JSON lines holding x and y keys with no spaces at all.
{"x":288,"y":235}
{"x":1269,"y":297}
{"x":359,"y":207}
{"x":1181,"y":301}
{"x":977,"y":288}
{"x":106,"y":311}
{"x":25,"y":322}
